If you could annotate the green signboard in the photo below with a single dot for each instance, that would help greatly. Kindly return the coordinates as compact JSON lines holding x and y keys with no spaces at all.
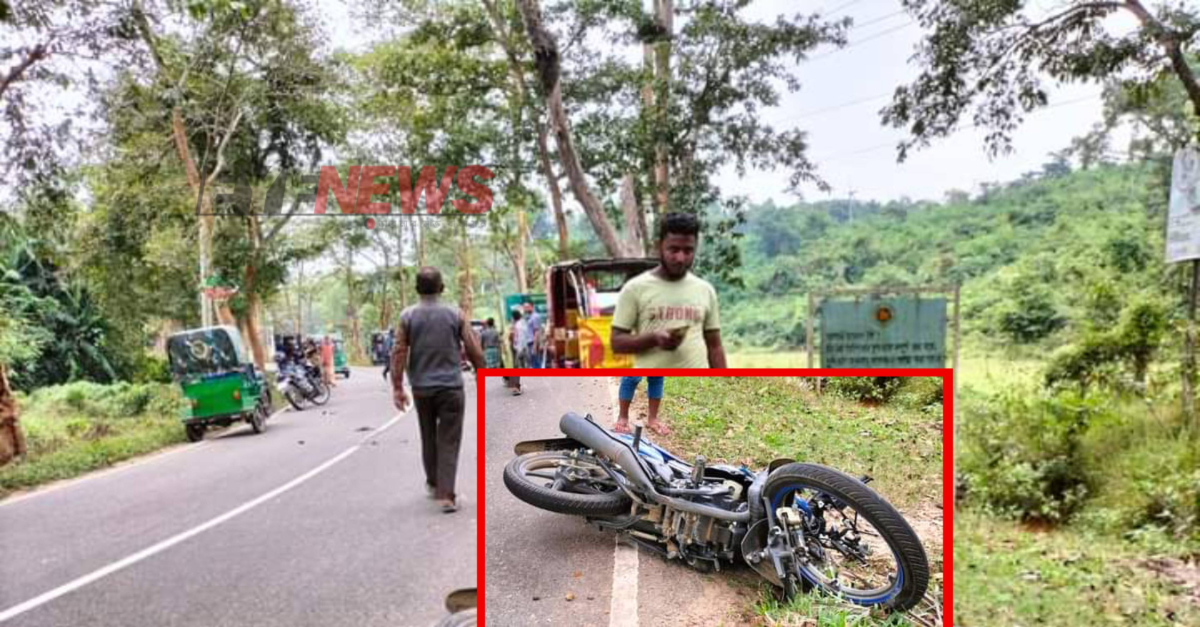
{"x":883,"y":332}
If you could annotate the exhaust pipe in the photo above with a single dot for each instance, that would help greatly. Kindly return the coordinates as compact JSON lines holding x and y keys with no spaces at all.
{"x":586,"y":431}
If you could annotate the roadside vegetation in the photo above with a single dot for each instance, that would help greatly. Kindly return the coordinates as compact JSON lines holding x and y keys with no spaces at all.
{"x":75,"y":428}
{"x":78,"y":427}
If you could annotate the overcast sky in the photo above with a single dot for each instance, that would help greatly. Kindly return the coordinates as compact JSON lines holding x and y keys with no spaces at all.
{"x":854,"y":152}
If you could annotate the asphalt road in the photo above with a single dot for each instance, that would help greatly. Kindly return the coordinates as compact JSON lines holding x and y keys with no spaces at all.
{"x":321,"y":520}
{"x":536,"y":559}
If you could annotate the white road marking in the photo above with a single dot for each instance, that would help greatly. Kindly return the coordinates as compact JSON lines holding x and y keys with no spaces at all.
{"x":105,"y":571}
{"x":623,"y":606}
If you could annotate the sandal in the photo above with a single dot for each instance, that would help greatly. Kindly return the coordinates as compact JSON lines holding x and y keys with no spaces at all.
{"x":622,"y":427}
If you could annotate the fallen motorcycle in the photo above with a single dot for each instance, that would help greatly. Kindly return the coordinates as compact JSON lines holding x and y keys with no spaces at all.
{"x":800,"y":526}
{"x":300,"y":383}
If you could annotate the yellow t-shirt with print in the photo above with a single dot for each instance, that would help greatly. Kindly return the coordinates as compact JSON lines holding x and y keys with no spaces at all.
{"x":650,"y":303}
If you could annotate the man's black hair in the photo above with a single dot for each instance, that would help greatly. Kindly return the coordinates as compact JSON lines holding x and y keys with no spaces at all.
{"x":516,"y":315}
{"x":679,"y":224}
{"x":491,"y":322}
{"x":429,"y":281}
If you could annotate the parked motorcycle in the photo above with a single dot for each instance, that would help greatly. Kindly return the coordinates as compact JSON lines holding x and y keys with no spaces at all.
{"x":800,"y":526}
{"x":300,"y":383}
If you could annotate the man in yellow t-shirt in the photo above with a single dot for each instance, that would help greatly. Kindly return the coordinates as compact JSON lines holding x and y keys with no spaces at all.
{"x":668,"y":317}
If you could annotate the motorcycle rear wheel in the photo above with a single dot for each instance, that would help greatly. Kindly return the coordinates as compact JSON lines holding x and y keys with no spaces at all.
{"x":533,"y":489}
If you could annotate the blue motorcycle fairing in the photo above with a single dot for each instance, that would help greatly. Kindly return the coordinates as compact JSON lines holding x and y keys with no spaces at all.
{"x":653,"y":452}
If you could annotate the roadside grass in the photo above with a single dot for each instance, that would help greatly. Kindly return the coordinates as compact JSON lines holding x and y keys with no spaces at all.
{"x":753,"y":420}
{"x":76,"y":428}
{"x":989,"y":373}
{"x":822,"y":610}
{"x":759,"y":358}
{"x":1008,"y":574}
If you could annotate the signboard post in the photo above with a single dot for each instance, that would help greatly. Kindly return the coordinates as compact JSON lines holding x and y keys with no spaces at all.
{"x":1183,"y":244}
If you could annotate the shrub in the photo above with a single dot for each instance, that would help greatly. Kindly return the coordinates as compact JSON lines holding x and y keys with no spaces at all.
{"x":1021,"y":455}
{"x":877,"y":389}
{"x":920,"y":392}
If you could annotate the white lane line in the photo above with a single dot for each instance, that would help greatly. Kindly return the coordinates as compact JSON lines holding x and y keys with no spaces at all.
{"x":119,"y":467}
{"x":623,"y":611}
{"x":105,"y":571}
{"x":623,"y":605}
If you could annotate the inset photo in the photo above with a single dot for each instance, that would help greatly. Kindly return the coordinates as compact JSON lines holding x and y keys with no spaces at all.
{"x":714,"y":500}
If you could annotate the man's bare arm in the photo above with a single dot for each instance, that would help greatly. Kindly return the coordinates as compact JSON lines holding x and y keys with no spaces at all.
{"x":471,"y":343}
{"x":399,"y":358}
{"x":625,"y":342}
{"x":716,"y":352}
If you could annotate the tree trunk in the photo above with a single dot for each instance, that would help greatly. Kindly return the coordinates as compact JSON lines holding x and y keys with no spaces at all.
{"x":253,"y":301}
{"x":665,"y":19}
{"x":385,"y":305}
{"x":12,"y":438}
{"x":1169,"y":41}
{"x":254,"y":327}
{"x":546,"y":58}
{"x":518,"y":76}
{"x":631,"y":209}
{"x":400,"y":268}
{"x":519,"y":252}
{"x":465,"y":288}
{"x":300,"y":301}
{"x":560,"y":218}
{"x":356,"y":351}
{"x":419,"y":234}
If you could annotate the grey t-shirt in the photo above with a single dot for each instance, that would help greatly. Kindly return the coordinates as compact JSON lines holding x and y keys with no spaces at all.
{"x":489,"y":338}
{"x":434,"y":335}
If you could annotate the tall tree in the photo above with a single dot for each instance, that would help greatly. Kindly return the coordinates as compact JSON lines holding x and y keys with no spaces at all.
{"x":991,"y":59}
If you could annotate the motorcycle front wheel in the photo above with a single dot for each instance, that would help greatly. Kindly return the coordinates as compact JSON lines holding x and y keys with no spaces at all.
{"x":293,"y":398}
{"x":857,"y":546}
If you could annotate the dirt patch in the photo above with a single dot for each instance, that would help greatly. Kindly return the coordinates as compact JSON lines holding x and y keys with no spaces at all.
{"x":725,"y":598}
{"x":1183,"y":574}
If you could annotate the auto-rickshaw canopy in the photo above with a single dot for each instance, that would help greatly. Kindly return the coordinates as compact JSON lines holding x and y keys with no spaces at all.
{"x":210,"y":350}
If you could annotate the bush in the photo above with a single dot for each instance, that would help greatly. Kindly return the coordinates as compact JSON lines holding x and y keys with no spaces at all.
{"x":151,"y":369}
{"x":877,"y":389}
{"x":920,"y":392}
{"x":1021,"y":455}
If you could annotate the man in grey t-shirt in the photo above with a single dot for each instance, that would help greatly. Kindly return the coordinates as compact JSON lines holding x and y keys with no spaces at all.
{"x":429,"y":344}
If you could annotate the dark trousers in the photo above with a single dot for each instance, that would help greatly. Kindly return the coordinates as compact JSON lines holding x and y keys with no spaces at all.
{"x":440,"y":415}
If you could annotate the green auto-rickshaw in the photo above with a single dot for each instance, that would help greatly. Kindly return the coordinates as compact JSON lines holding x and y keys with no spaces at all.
{"x":221,"y":385}
{"x":340,"y":364}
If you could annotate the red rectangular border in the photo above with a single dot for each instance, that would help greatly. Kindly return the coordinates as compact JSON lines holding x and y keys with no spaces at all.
{"x":947,"y":375}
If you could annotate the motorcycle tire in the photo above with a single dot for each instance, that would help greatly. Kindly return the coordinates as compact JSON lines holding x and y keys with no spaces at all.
{"x":293,"y":398}
{"x":899,"y":535}
{"x":540,"y":496}
{"x":320,"y":394}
